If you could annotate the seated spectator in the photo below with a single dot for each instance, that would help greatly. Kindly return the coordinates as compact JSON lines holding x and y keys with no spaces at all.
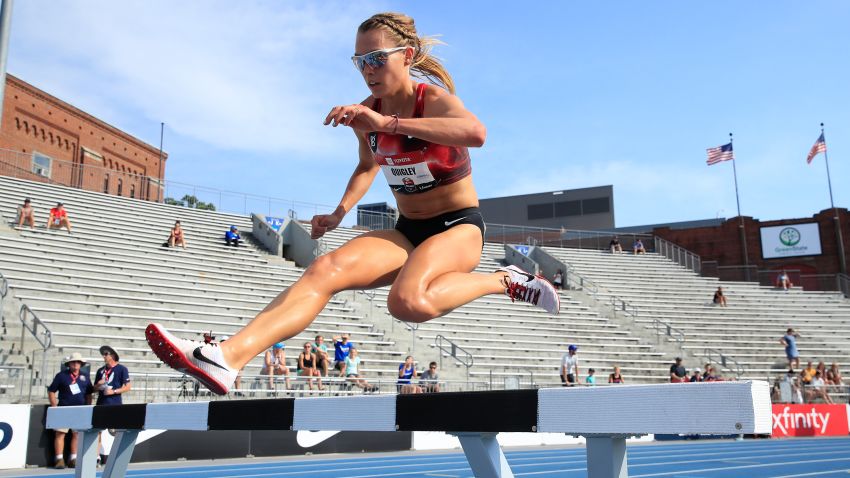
{"x":710,"y":375}
{"x":590,"y":379}
{"x":822,"y":369}
{"x":59,"y":218}
{"x":719,"y":298}
{"x":232,"y":237}
{"x":834,"y":375}
{"x":808,"y":373}
{"x":176,"y":237}
{"x":817,"y":389}
{"x":320,"y":350}
{"x":616,"y":376}
{"x":558,"y":280}
{"x":696,"y":376}
{"x":352,"y":372}
{"x":791,"y":379}
{"x":341,"y":349}
{"x":26,"y":214}
{"x":638,"y":247}
{"x":406,"y":373}
{"x":615,"y":246}
{"x":429,"y":380}
{"x":678,"y":374}
{"x":783,"y":281}
{"x":307,"y":366}
{"x":789,"y":340}
{"x":274,"y":363}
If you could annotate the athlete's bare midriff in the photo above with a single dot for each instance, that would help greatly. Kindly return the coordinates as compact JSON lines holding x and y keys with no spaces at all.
{"x":450,"y":197}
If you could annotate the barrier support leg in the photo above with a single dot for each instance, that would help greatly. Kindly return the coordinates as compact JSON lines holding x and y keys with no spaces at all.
{"x":86,"y":454}
{"x":119,"y":456}
{"x":484,"y":455}
{"x":606,"y":457}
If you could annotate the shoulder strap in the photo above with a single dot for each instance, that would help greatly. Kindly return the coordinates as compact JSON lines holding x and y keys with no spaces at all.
{"x":420,"y":100}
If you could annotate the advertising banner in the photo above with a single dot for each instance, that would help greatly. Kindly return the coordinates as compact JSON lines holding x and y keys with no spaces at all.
{"x":790,"y":241}
{"x":14,"y":430}
{"x":812,"y":420}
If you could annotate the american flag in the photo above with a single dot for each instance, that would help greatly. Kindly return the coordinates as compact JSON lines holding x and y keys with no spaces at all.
{"x":819,"y":147}
{"x":720,"y":153}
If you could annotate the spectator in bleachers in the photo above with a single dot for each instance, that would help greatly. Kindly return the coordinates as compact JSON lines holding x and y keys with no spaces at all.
{"x":406,"y":373}
{"x":808,"y":373}
{"x":558,"y":280}
{"x":678,"y":373}
{"x":26,"y":214}
{"x":70,"y":387}
{"x":590,"y":379}
{"x":706,"y":371}
{"x":616,"y":376}
{"x":710,"y":374}
{"x":789,"y":340}
{"x":783,"y":281}
{"x":176,"y":237}
{"x":817,"y":389}
{"x":833,"y":375}
{"x":353,"y":374}
{"x":696,"y":376}
{"x":615,"y":246}
{"x":307,"y":366}
{"x":719,"y":298}
{"x":791,"y":379}
{"x":274,"y":363}
{"x":232,"y":237}
{"x":638,"y":247}
{"x":341,"y":349}
{"x":569,"y":367}
{"x":59,"y":218}
{"x":429,"y":379}
{"x":822,"y":369}
{"x":320,"y":349}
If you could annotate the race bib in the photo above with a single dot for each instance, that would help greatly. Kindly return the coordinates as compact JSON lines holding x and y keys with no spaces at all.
{"x":75,"y":389}
{"x":407,"y":173}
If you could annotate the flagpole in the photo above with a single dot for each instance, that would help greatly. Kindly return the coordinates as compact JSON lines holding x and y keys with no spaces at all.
{"x":741,"y":228}
{"x":842,"y":264}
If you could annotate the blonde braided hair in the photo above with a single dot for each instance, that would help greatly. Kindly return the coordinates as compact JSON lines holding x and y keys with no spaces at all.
{"x":402,"y":31}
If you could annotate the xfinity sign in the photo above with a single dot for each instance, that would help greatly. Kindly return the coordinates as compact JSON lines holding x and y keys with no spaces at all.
{"x":790,"y":241}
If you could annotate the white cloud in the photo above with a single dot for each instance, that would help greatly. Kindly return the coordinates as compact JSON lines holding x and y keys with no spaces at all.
{"x":255,"y":77}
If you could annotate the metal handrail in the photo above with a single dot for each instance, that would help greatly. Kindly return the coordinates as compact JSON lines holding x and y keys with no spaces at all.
{"x":453,"y":350}
{"x":4,"y":290}
{"x":724,"y":361}
{"x":678,"y":254}
{"x":668,"y":330}
{"x":625,"y":307}
{"x":843,"y":283}
{"x":44,"y":337}
{"x":581,"y":282}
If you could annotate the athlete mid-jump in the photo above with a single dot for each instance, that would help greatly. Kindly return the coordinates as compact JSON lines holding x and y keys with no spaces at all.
{"x":417,"y":135}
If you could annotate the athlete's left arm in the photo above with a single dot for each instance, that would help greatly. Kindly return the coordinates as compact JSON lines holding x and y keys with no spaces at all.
{"x":446,"y":122}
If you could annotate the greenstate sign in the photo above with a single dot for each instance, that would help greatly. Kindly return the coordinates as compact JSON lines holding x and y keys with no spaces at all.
{"x":790,"y":241}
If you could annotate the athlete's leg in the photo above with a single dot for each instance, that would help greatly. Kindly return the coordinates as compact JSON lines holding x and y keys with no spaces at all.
{"x":367,"y":261}
{"x":436,"y":278}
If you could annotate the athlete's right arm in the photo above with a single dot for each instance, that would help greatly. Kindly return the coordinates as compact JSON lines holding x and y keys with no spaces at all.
{"x":360,"y":181}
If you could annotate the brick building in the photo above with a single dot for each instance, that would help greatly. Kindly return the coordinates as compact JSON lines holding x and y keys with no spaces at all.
{"x":721,"y":251}
{"x":43,"y":138}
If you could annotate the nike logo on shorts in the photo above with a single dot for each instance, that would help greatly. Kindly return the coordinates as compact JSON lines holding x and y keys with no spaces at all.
{"x":450,"y":223}
{"x":198,"y":355}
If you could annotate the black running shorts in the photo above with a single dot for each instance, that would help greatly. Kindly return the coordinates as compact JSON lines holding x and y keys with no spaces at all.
{"x":418,"y":230}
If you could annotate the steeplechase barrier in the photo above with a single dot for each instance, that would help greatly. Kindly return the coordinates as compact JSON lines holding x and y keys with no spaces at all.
{"x":605,"y":416}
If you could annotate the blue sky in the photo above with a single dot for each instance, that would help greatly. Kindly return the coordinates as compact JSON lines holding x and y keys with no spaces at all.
{"x":574,"y":94}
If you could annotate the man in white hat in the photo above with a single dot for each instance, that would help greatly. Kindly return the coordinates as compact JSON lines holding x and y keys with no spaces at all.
{"x":70,"y":387}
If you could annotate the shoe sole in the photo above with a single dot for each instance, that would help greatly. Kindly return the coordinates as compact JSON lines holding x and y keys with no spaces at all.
{"x":174,"y":358}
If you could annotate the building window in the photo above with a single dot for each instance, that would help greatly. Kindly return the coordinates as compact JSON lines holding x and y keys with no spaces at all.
{"x":132,"y":190}
{"x":106,"y":183}
{"x":41,"y":164}
{"x":120,"y":186}
{"x":540,"y":211}
{"x":595,"y":206}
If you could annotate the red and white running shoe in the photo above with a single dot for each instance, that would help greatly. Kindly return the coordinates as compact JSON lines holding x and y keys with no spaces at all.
{"x":534,"y":289}
{"x":203,"y":361}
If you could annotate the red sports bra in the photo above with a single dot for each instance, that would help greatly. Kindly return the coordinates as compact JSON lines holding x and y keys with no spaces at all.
{"x":412,"y":165}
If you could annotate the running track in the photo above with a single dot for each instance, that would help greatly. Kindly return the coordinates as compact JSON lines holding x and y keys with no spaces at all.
{"x":706,"y":459}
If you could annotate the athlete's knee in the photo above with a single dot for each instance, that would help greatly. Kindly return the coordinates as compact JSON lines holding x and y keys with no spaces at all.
{"x":323,"y":270}
{"x":410,"y":307}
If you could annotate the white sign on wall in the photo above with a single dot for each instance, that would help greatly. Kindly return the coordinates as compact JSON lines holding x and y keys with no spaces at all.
{"x":14,"y":431}
{"x":790,"y":241}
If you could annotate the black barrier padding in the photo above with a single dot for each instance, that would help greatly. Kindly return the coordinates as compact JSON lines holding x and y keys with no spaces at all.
{"x":122,"y":417}
{"x":498,"y":411}
{"x":274,"y":414}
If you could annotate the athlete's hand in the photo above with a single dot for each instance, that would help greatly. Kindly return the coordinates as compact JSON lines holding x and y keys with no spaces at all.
{"x":323,"y":223}
{"x":358,"y":117}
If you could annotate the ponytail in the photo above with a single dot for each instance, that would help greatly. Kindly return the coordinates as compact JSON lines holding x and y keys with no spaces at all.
{"x":402,"y":29}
